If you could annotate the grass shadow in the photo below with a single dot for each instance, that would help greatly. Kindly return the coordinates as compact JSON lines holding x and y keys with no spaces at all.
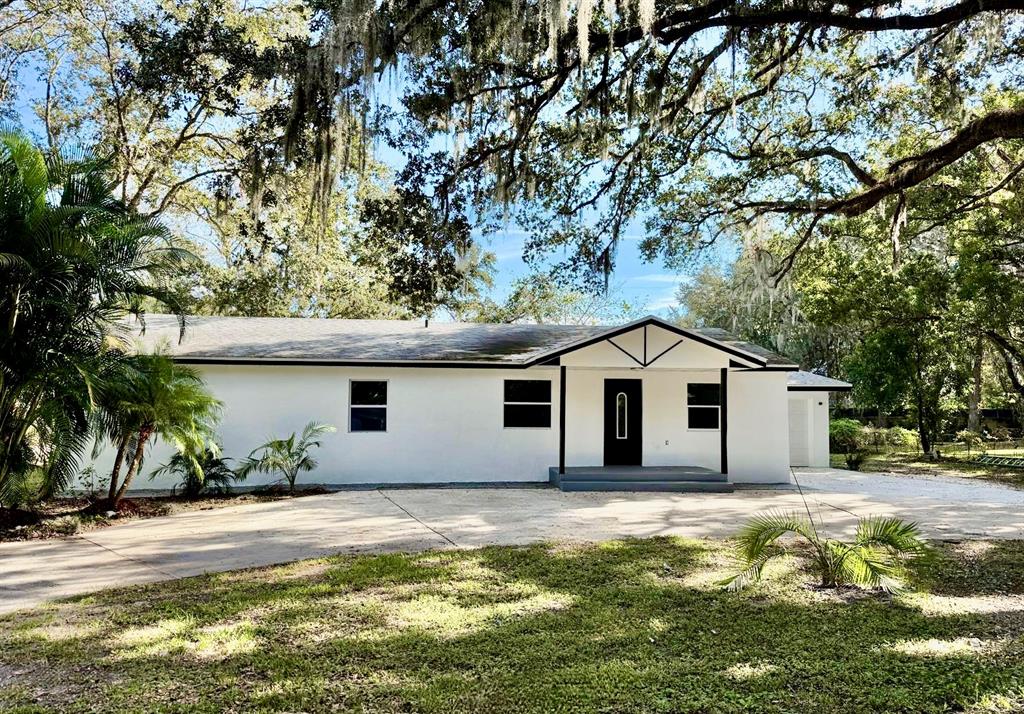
{"x":633,"y":625}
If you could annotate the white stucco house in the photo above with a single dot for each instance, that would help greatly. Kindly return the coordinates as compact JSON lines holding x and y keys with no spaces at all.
{"x":642,"y":406}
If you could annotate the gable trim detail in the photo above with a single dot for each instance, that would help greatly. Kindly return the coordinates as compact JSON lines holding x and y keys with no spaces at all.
{"x":749,"y":357}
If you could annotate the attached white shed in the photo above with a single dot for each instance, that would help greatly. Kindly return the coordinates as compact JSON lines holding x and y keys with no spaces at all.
{"x":808,"y":417}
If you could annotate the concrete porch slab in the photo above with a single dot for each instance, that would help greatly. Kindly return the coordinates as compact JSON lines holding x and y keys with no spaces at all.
{"x":676,"y":479}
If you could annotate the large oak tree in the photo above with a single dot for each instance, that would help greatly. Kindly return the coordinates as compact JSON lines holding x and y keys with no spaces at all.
{"x":709,"y":119}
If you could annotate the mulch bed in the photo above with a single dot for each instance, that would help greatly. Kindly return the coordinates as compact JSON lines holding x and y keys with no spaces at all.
{"x":60,"y":517}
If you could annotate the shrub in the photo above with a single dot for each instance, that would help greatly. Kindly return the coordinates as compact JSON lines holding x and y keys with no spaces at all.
{"x":872,"y":559}
{"x":288,"y":456}
{"x":971,"y":439}
{"x":874,"y":437}
{"x":1000,"y":433}
{"x":204,"y":471}
{"x":846,"y":436}
{"x":91,"y":484}
{"x":25,"y":491}
{"x":901,"y":438}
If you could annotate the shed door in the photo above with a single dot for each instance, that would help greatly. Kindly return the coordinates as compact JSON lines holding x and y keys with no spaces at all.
{"x":799,"y":436}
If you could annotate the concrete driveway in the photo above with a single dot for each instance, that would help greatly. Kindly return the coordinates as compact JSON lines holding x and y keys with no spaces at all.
{"x":416,"y":519}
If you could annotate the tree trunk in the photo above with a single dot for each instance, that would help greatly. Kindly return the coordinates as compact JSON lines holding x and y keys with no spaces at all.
{"x":115,"y":473}
{"x":133,"y":467}
{"x":1012,"y":358}
{"x":974,"y":398}
{"x":922,"y":428}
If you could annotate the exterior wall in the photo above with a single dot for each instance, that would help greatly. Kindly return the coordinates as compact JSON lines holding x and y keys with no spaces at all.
{"x":444,"y":425}
{"x":666,"y":439}
{"x":820,"y":457}
{"x":817,"y":405}
{"x":758,"y":427}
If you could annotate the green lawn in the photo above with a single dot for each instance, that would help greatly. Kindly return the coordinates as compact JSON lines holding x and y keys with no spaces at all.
{"x":623,"y":626}
{"x":959,"y":464}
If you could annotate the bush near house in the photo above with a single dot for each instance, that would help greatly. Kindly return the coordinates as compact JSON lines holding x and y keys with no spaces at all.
{"x":207,"y":471}
{"x":903,"y":439}
{"x":846,"y":437}
{"x":286,"y":457}
{"x":204,"y":480}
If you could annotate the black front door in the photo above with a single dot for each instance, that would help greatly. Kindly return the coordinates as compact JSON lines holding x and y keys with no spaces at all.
{"x":623,"y":431}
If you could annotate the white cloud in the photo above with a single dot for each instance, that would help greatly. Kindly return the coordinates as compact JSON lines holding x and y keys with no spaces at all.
{"x":663,"y":302}
{"x":659,"y":279}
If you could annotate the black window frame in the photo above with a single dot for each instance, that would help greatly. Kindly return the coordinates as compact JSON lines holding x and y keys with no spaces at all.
{"x":702,"y":406}
{"x":525,"y":406}
{"x":377,"y":407}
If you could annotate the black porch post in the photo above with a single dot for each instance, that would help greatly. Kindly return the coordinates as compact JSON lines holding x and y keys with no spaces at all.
{"x":561,"y":419}
{"x":724,"y":426}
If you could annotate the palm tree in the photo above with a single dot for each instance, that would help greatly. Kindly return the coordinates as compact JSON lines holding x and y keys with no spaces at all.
{"x":288,"y":457}
{"x":156,"y":398}
{"x":872,"y":559}
{"x":207,"y":470}
{"x":73,"y":262}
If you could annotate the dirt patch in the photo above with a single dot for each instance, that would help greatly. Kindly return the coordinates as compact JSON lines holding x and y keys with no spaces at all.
{"x":61,"y":517}
{"x":949,"y":466}
{"x":42,"y":682}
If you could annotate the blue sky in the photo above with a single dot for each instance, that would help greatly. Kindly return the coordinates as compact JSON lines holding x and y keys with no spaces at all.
{"x":646,"y":286}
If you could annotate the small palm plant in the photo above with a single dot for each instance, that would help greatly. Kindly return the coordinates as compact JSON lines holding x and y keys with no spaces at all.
{"x":205,"y":471}
{"x":873,"y":559}
{"x":288,"y":457}
{"x":155,"y":398}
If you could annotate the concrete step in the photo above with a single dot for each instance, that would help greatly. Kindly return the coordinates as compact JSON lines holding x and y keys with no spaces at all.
{"x":635,"y":474}
{"x":648,"y":485}
{"x":641,"y":476}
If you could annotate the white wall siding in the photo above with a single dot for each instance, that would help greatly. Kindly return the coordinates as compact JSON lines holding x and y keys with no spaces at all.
{"x":444,"y":425}
{"x":819,"y":429}
{"x":816,"y":405}
{"x":758,"y":427}
{"x":799,"y":430}
{"x":666,"y":439}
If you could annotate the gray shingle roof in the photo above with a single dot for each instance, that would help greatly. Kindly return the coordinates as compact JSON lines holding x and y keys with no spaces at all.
{"x":282,"y":338}
{"x":811,"y":381}
{"x":773,"y":359}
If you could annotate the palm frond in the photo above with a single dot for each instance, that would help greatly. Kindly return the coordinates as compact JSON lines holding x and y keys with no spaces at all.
{"x":896,"y":535}
{"x":92,"y":260}
{"x":866,"y":566}
{"x":752,"y":569}
{"x":765,"y":529}
{"x":873,"y":559}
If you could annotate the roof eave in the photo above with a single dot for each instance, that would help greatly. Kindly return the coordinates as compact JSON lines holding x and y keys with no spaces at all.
{"x":326,"y":362}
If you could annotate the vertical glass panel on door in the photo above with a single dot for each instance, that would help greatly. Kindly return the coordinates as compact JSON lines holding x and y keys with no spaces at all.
{"x":620,"y":416}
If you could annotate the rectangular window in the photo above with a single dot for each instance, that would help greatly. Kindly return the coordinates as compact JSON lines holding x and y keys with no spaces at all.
{"x":368,"y":405}
{"x":703,"y":403}
{"x":527,"y":403}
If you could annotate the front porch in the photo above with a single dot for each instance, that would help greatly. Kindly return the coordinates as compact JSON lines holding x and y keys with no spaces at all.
{"x":655,"y":407}
{"x":679,"y":479}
